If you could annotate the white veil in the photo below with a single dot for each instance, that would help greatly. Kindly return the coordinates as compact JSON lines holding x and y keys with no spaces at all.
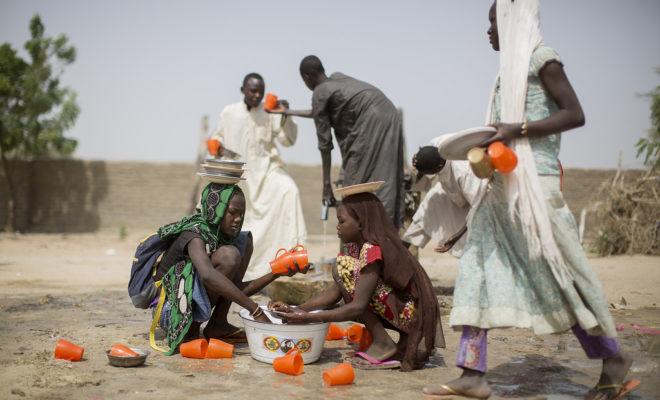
{"x":519,"y":31}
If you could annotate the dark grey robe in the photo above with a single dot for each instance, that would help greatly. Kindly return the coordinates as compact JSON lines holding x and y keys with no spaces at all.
{"x":369,"y":131}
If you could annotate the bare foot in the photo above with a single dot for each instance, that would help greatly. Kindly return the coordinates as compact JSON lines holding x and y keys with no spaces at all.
{"x":382,"y":351}
{"x":471,"y":384}
{"x":614,"y":372}
{"x":219,"y":331}
{"x":193,"y":332}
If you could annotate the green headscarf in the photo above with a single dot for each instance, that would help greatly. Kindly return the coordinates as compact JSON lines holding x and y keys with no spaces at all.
{"x":206,"y":221}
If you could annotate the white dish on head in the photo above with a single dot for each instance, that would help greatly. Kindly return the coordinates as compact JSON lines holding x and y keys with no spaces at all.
{"x":222,"y":169}
{"x":269,"y":341}
{"x":221,"y":161}
{"x":220,"y":178}
{"x":369,"y":187}
{"x":455,"y":146}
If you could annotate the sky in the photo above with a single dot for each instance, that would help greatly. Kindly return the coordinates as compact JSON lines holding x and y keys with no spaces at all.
{"x":147,"y":71}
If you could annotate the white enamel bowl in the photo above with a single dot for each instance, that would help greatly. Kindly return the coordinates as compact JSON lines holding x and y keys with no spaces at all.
{"x":268,"y":341}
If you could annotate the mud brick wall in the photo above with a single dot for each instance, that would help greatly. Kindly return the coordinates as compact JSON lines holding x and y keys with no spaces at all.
{"x":86,"y":196}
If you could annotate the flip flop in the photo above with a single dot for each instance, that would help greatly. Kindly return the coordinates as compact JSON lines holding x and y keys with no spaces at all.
{"x":364,"y":361}
{"x":624,"y":389}
{"x":451,"y":392}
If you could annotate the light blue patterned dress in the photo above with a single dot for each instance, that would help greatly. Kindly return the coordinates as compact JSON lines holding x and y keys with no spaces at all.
{"x":498,"y":284}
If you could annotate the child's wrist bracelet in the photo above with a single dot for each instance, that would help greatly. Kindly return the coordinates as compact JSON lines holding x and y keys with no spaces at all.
{"x":257,"y":312}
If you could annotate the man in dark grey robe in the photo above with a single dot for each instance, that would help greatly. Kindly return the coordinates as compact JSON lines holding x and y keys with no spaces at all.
{"x":367,"y":127}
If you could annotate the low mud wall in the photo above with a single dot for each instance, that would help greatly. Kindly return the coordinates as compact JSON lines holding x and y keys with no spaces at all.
{"x":86,"y":196}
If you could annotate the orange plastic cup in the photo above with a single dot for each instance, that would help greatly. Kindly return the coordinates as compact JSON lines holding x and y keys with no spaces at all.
{"x":270,"y":102}
{"x":354,"y":333}
{"x":120,"y":350}
{"x":504,"y":159}
{"x":291,"y":363}
{"x":365,"y":340}
{"x":65,"y":350}
{"x":282,"y":262}
{"x":300,"y":257}
{"x":194,"y":349}
{"x":219,"y":349}
{"x":213,"y":146}
{"x":335,"y":332}
{"x":342,"y":374}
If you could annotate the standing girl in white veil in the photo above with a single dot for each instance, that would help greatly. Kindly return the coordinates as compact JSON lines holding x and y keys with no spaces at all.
{"x":523,"y":265}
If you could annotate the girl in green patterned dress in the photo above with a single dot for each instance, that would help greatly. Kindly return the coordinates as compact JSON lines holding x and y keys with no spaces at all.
{"x":203,"y":268}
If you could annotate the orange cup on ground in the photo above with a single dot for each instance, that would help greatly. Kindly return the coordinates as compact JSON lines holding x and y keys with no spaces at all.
{"x":342,"y":374}
{"x":219,"y":349}
{"x":354,"y":333}
{"x":504,"y":159}
{"x":365,"y":340}
{"x":300,"y":257}
{"x":291,"y":363}
{"x":65,"y":350}
{"x":282,"y":262}
{"x":213,"y":146}
{"x":194,"y":349}
{"x":335,"y":332}
{"x":120,"y":350}
{"x":270,"y":102}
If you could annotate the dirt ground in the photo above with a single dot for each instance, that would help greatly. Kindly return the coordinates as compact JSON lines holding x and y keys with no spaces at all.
{"x":74,"y":287}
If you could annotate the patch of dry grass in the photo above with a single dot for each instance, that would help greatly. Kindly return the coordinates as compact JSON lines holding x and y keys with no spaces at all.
{"x":629,"y":215}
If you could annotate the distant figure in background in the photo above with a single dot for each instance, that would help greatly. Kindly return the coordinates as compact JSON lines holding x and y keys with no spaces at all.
{"x":367,"y":127}
{"x":274,"y":210}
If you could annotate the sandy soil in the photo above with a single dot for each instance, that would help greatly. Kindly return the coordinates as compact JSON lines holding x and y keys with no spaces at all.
{"x":74,"y":287}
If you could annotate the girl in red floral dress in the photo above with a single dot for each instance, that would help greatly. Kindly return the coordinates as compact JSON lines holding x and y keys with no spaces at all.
{"x":382,"y":284}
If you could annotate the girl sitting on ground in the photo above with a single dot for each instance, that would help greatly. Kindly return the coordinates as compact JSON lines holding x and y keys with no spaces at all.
{"x":382,"y":284}
{"x":203,"y":267}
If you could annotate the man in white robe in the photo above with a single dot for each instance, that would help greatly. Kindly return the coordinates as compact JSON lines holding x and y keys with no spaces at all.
{"x":442,"y":214}
{"x":274,"y":210}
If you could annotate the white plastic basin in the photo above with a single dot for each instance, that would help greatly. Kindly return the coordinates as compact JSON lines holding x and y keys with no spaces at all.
{"x":268,"y":341}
